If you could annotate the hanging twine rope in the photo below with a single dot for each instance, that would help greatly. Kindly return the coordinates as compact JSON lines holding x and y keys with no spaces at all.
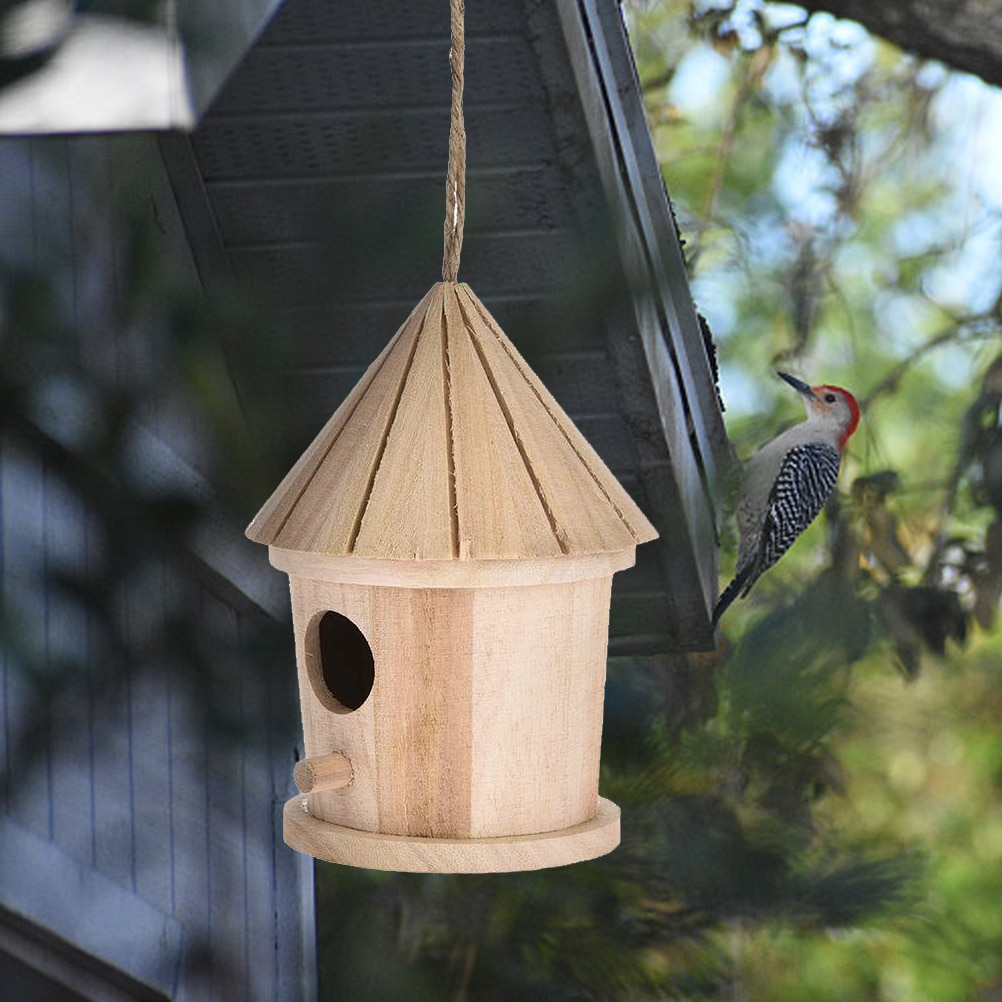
{"x":455,"y":184}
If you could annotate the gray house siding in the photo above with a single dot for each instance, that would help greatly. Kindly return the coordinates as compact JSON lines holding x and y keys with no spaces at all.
{"x":140,"y":851}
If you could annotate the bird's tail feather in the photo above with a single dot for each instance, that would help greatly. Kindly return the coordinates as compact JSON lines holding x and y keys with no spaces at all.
{"x":731,"y":592}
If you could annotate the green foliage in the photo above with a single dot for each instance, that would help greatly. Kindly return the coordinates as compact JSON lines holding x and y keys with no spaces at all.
{"x":841,"y":223}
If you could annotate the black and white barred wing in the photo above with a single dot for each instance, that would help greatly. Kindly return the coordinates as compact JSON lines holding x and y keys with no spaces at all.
{"x":806,"y":479}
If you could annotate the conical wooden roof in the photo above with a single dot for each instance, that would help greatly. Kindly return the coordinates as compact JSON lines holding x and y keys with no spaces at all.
{"x":450,"y":448}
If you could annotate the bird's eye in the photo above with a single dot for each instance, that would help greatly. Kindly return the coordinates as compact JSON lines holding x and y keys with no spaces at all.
{"x":829,"y":398}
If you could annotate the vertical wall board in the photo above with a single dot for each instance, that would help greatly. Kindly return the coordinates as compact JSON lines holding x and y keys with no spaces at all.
{"x":47,"y":205}
{"x":15,"y":224}
{"x":191,"y":806}
{"x":259,"y":812}
{"x":228,"y":935}
{"x":187,"y":834}
{"x":293,"y":881}
{"x":22,"y":484}
{"x":258,"y":891}
{"x":100,"y":286}
{"x":227,"y":835}
{"x":67,"y":639}
{"x":51,"y":213}
{"x":5,"y":665}
{"x":295,"y":970}
{"x":92,"y":232}
{"x":113,"y":814}
{"x":150,"y":779}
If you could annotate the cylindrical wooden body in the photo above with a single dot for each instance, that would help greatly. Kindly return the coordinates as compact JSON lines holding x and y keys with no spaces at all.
{"x":485,"y":713}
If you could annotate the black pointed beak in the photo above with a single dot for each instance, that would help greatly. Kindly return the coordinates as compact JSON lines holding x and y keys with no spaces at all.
{"x":798,"y":384}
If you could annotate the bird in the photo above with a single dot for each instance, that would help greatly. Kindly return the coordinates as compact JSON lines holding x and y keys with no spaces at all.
{"x":785,"y":484}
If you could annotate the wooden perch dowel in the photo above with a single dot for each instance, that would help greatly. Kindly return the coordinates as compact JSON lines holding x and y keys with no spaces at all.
{"x":326,"y":772}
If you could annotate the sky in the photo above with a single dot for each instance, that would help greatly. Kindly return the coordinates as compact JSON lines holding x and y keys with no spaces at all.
{"x":966,"y":115}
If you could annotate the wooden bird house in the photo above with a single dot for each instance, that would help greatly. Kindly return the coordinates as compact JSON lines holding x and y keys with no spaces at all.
{"x":450,"y":539}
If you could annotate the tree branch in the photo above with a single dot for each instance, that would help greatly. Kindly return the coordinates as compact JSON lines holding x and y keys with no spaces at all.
{"x":964,"y":34}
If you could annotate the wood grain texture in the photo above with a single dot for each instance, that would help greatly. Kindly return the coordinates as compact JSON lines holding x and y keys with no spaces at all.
{"x":538,"y":690}
{"x":455,"y":515}
{"x":347,"y":449}
{"x":499,"y":511}
{"x":450,"y":447}
{"x":328,"y":772}
{"x":449,"y":573}
{"x":372,"y":850}
{"x":485,"y":716}
{"x":409,"y":511}
{"x":588,"y":508}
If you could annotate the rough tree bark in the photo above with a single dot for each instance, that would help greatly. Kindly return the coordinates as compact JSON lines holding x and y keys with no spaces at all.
{"x":964,"y":34}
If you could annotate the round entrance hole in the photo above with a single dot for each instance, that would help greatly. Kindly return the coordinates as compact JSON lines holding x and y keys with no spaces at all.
{"x":340,"y":663}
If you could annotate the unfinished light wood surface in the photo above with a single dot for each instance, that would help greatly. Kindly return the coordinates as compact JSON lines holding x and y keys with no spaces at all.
{"x":455,"y":519}
{"x":375,"y":851}
{"x":449,"y":573}
{"x":328,"y":772}
{"x":485,"y":716}
{"x":450,"y":448}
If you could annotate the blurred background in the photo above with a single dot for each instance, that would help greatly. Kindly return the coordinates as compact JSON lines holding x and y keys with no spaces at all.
{"x":813,"y":811}
{"x":840,"y":202}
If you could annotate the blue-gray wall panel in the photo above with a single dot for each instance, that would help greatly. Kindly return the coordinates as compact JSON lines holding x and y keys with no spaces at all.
{"x":130,"y":829}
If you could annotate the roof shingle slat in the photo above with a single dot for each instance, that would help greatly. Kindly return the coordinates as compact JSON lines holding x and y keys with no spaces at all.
{"x":328,"y":145}
{"x":450,"y":447}
{"x":349,"y":77}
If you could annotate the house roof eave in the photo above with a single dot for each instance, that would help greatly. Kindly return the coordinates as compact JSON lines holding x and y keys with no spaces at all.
{"x":166,"y":71}
{"x":670,"y":334}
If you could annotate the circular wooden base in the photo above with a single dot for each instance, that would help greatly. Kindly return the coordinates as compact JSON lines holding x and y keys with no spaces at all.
{"x":376,"y":851}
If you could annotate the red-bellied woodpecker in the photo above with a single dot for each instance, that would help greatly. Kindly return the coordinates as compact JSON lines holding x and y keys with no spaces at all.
{"x":787,"y":482}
